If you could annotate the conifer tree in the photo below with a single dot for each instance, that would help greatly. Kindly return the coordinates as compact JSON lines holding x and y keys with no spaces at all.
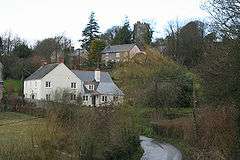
{"x":124,"y":36}
{"x":90,"y":32}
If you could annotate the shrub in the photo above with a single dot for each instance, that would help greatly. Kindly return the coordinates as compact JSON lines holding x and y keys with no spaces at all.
{"x":95,"y":133}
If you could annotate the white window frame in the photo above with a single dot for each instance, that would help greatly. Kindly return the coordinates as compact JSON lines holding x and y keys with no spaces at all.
{"x":85,"y":98}
{"x":48,"y":84}
{"x":104,"y":98}
{"x":48,"y":97}
{"x":90,"y":87}
{"x":73,"y":85}
{"x":73,"y":97}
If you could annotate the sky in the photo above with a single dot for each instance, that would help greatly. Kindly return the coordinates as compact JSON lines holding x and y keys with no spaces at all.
{"x":35,"y":20}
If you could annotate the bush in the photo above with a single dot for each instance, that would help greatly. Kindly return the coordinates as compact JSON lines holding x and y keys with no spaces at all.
{"x":154,"y":80}
{"x":216,"y":132}
{"x":95,"y":133}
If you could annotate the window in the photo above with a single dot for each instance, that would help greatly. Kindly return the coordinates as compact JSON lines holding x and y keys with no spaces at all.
{"x":33,"y":96}
{"x":48,"y":84}
{"x":73,"y":97}
{"x":85,"y":98}
{"x":73,"y":85}
{"x":104,"y":98}
{"x":90,"y":87}
{"x":35,"y":84}
{"x":48,"y":96}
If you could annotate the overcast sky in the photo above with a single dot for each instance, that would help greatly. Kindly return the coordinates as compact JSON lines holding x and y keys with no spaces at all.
{"x":38,"y":19}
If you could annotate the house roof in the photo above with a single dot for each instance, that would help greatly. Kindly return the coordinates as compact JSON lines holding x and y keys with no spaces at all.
{"x":118,"y":48}
{"x":109,"y":88}
{"x":42,"y":71}
{"x":90,"y":76}
{"x":105,"y":86}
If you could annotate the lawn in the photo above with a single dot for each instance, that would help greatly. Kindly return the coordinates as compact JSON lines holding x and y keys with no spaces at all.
{"x":17,"y":127}
{"x":14,"y":85}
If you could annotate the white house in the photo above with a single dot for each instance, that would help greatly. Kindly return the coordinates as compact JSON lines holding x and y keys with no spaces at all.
{"x":95,"y":87}
{"x":118,"y":53}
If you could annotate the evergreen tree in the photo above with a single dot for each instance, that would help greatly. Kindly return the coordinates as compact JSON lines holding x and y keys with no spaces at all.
{"x":142,"y":34}
{"x":22,"y":50}
{"x":1,"y":46}
{"x":96,"y":47}
{"x":124,"y":36}
{"x":90,"y":32}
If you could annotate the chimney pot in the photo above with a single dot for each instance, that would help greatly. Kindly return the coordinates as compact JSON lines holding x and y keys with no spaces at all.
{"x":97,"y":75}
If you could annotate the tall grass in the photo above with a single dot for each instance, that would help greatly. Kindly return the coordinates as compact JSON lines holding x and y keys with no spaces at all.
{"x":79,"y":133}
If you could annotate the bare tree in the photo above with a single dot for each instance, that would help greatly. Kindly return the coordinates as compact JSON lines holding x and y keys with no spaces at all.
{"x":226,"y":15}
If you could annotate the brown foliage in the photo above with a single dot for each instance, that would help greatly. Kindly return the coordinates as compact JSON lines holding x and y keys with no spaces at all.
{"x":216,"y":132}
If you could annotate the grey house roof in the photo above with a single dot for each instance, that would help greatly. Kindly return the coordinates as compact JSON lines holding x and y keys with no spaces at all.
{"x":105,"y":86}
{"x":118,"y":48}
{"x":89,"y":76}
{"x":109,"y":88}
{"x":42,"y":71}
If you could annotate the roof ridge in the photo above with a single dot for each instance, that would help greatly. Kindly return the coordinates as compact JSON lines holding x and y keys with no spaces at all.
{"x":87,"y":70}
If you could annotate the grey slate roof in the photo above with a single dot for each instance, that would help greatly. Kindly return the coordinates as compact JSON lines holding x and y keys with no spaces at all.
{"x":89,"y":76}
{"x":109,"y":88}
{"x":118,"y":48}
{"x":105,"y":86}
{"x":42,"y":71}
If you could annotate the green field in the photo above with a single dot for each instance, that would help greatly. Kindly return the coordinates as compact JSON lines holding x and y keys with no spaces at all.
{"x":14,"y":85}
{"x":17,"y":127}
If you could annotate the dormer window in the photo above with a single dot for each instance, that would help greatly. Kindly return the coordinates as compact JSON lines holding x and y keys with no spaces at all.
{"x":90,"y":87}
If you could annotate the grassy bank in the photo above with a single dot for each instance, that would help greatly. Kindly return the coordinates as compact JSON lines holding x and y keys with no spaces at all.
{"x":13,"y":86}
{"x":17,"y":127}
{"x":71,"y":132}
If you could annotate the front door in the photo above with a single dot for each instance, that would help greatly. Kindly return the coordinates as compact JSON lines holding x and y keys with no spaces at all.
{"x":94,"y":101}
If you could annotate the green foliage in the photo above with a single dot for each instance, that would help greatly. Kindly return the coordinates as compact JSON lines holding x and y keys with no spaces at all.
{"x":101,"y":133}
{"x":185,"y":45}
{"x":142,"y":34}
{"x":12,"y":67}
{"x":90,"y":32}
{"x":12,"y":85}
{"x":96,"y":47}
{"x":1,"y":46}
{"x":22,"y":50}
{"x":57,"y":44}
{"x":124,"y":35}
{"x":154,"y":80}
{"x":46,"y":47}
{"x":110,"y":34}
